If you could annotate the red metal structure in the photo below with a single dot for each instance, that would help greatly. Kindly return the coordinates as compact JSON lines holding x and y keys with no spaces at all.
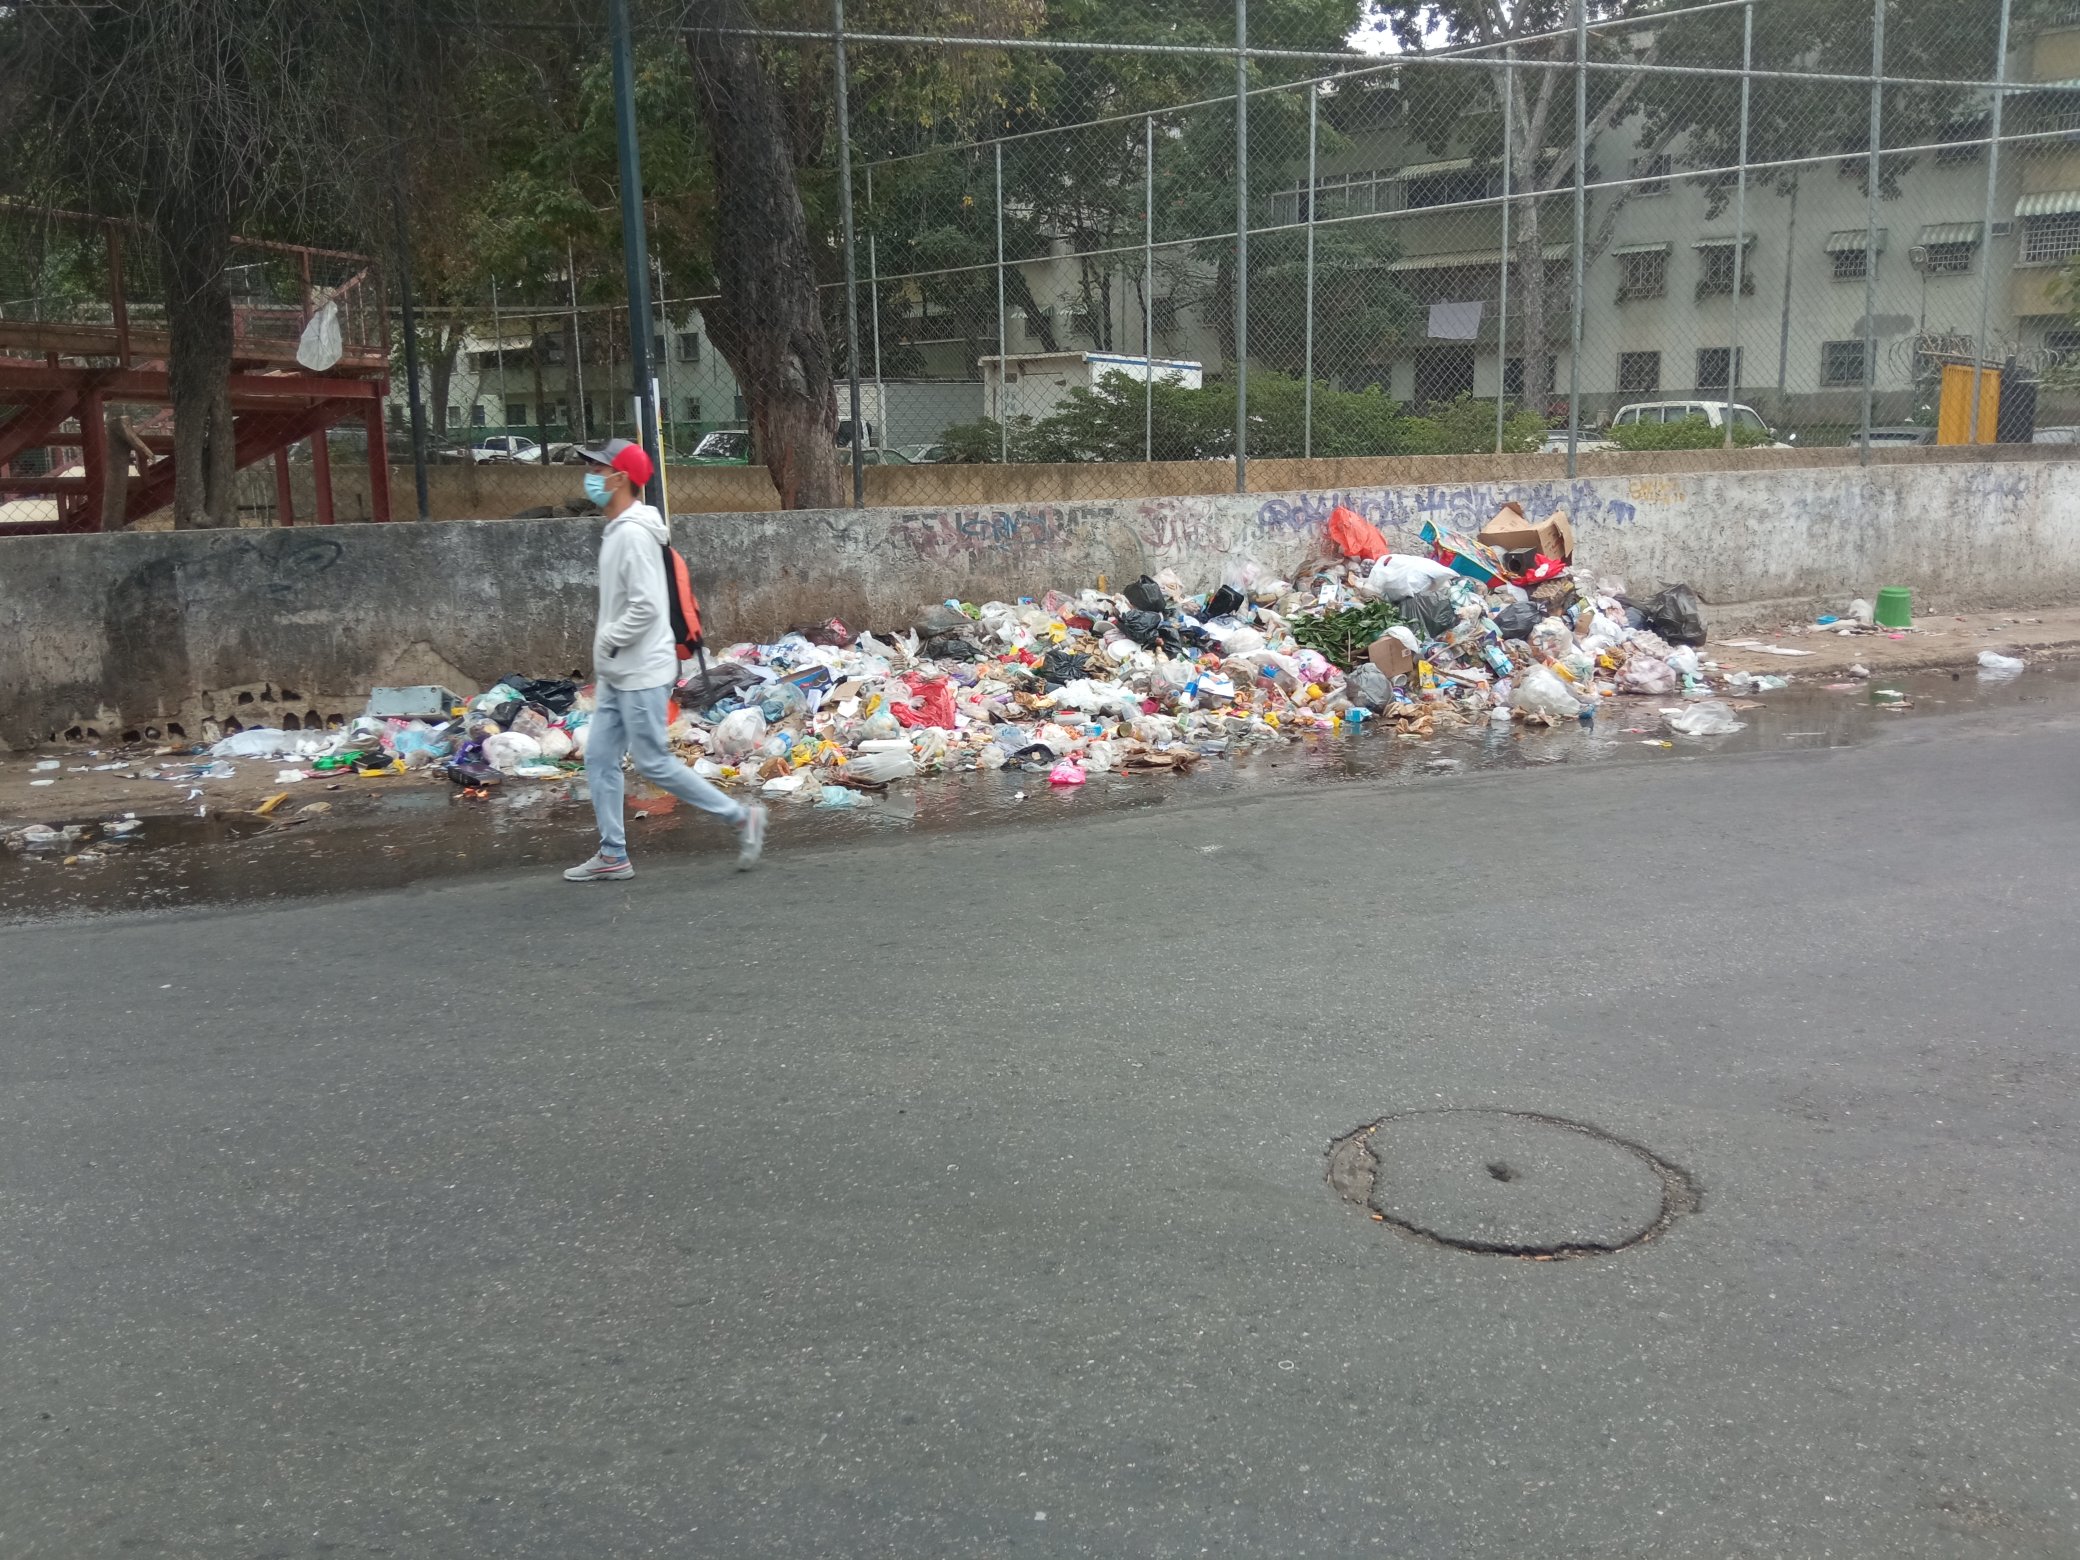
{"x":83,"y":329}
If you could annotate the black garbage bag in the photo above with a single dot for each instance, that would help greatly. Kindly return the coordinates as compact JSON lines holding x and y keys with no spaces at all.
{"x":940,"y":620}
{"x":1059,"y":667}
{"x":1517,"y":620}
{"x":1151,"y":630}
{"x":722,"y":679}
{"x":1430,"y":613}
{"x":952,"y":648}
{"x":557,"y":695}
{"x":1676,"y":615}
{"x":1225,"y":600}
{"x":1145,"y":595}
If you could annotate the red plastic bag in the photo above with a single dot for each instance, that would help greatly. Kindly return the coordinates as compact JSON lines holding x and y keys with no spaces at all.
{"x":1541,"y":570}
{"x":934,"y":706}
{"x":1355,"y":535}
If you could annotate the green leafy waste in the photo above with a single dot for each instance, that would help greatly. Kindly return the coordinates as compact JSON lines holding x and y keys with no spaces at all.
{"x":1345,"y":636}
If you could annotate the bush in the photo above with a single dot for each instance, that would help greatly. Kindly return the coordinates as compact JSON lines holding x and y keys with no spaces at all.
{"x":1112,"y":422}
{"x":1692,"y":433}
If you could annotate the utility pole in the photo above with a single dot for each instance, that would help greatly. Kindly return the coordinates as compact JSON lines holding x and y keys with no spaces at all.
{"x":634,"y":251}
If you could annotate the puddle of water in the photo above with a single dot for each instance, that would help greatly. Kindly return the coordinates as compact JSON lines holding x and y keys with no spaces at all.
{"x":420,"y":833}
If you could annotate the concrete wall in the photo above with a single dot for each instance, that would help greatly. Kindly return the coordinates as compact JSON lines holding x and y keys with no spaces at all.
{"x":492,"y":492}
{"x":145,"y":630}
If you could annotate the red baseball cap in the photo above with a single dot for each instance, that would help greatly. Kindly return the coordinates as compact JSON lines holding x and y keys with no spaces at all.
{"x":624,"y":456}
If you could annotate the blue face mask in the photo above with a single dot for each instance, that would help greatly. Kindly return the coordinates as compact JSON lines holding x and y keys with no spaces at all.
{"x":596,"y":488}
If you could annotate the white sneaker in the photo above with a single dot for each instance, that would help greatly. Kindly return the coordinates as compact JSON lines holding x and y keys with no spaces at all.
{"x":598,"y":869}
{"x":751,"y":836}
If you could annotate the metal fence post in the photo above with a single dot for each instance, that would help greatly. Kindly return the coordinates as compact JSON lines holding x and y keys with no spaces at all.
{"x":874,"y":305}
{"x":498,"y":342}
{"x":1148,"y":292}
{"x":635,"y":259}
{"x":665,"y":333}
{"x":1509,"y":119}
{"x":1870,"y":226}
{"x":1314,"y":98}
{"x":859,"y":449}
{"x":1993,"y":171}
{"x":1740,"y":223}
{"x":1003,"y":344}
{"x":1242,"y":246}
{"x":1581,"y":197}
{"x":581,"y":418}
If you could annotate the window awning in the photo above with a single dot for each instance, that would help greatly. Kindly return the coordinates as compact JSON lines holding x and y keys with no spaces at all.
{"x":2051,"y":203}
{"x":1720,"y":241}
{"x":1851,"y":241}
{"x":1948,"y":233}
{"x":1466,"y":257}
{"x":1643,"y":249}
{"x":1424,"y":170}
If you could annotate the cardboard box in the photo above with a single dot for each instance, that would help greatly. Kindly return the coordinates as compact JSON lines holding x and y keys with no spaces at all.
{"x":1391,"y":656}
{"x":1511,"y":531}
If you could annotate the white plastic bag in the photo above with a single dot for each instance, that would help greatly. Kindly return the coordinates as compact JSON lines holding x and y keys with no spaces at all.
{"x":1706,"y":718}
{"x":1683,"y":661}
{"x":320,"y":346}
{"x":880,"y":768}
{"x":1991,"y":664}
{"x":1401,"y":575}
{"x":1645,"y":674}
{"x":1541,"y":695}
{"x":556,"y":743}
{"x":259,"y":742}
{"x":740,"y":732}
{"x":508,"y":750}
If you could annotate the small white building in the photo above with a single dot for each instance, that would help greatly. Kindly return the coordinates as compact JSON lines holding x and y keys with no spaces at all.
{"x":1037,"y":383}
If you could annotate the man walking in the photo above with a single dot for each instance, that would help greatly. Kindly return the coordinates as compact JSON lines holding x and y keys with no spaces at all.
{"x":634,"y":667}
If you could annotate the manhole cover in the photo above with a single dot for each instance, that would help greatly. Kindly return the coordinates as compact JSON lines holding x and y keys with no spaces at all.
{"x":1509,"y":1183}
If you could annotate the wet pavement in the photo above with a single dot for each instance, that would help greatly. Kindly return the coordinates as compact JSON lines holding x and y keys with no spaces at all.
{"x":401,"y":833}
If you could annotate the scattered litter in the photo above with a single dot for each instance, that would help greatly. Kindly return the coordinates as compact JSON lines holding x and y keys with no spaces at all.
{"x":46,"y":763}
{"x":274,"y":801}
{"x":1706,"y":718}
{"x":43,"y":782}
{"x":1992,"y":664}
{"x":1759,"y":648}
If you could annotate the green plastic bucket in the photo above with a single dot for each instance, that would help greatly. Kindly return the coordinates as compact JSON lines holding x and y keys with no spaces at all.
{"x":1895,"y":608}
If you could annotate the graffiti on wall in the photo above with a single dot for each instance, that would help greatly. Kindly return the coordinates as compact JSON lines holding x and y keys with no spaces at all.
{"x":1467,"y":506}
{"x":942,"y":535}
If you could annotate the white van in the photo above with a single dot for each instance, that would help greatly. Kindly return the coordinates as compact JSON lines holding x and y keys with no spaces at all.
{"x":1713,"y":412}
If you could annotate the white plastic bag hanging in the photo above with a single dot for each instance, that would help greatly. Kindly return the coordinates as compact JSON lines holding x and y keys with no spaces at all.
{"x":320,"y":347}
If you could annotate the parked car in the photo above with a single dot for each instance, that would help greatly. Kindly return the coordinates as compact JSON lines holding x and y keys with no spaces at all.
{"x":922,"y":454}
{"x":506,"y":447}
{"x":1898,"y":437}
{"x":1555,"y":442}
{"x":1713,"y":412}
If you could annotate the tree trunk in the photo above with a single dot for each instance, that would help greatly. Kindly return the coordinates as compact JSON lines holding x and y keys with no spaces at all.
{"x":440,"y":374}
{"x":194,"y":244}
{"x":1529,"y":294}
{"x":541,"y":409}
{"x":769,"y":327}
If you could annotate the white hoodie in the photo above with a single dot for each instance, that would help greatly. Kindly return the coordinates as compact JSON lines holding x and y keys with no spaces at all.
{"x":632,"y":646}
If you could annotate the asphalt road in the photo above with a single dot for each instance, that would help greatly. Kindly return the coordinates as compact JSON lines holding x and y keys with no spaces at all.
{"x":964,"y":1195}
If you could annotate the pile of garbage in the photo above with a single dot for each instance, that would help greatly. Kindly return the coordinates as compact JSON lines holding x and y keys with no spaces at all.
{"x":1491,"y":628}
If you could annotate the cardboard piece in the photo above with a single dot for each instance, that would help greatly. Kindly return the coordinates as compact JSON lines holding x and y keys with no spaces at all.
{"x":1391,"y":656}
{"x":1512,"y":531}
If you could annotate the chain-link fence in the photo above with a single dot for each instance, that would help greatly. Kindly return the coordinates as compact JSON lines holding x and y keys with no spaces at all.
{"x":1113,"y":269}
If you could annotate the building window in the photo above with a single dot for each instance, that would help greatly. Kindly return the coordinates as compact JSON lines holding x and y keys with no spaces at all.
{"x":552,"y":349}
{"x":1850,"y":265}
{"x":1715,"y":277}
{"x":693,"y":410}
{"x":1950,"y":259}
{"x":1712,"y":364}
{"x":1643,"y":275}
{"x":1513,"y":374}
{"x":1841,"y":363}
{"x":1639,"y":372}
{"x":1084,"y":323}
{"x":1652,"y":174}
{"x":479,"y":415}
{"x":2050,"y":239}
{"x":1446,"y":189}
{"x":516,"y":413}
{"x":740,"y":409}
{"x":690,"y":348}
{"x":454,"y":417}
{"x":656,"y":349}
